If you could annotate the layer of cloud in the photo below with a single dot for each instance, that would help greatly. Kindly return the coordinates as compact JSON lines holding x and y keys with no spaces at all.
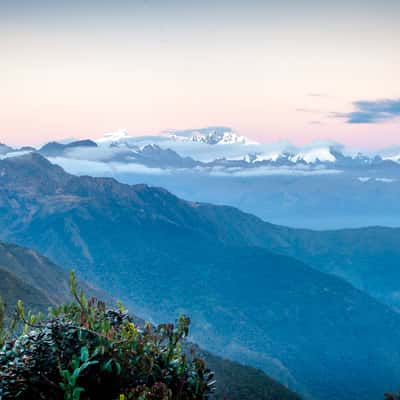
{"x":102,"y":168}
{"x":371,"y":112}
{"x":116,"y":170}
{"x":272,"y":171}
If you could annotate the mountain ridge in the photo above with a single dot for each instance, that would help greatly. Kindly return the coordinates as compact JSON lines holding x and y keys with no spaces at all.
{"x":280,"y":183}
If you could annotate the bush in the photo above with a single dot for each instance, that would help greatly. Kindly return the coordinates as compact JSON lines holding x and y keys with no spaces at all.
{"x":83,"y":351}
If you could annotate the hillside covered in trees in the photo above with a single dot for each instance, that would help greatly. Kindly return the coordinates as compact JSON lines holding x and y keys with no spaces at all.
{"x":25,"y":275}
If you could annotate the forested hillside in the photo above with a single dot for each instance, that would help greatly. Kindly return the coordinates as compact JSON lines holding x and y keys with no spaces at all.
{"x":41,"y":284}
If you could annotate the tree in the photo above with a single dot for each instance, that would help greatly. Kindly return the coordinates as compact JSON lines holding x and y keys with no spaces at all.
{"x":83,"y":350}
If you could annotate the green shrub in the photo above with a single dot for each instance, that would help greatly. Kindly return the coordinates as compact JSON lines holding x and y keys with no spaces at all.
{"x":83,"y":351}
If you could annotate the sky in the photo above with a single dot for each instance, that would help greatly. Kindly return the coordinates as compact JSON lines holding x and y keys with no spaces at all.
{"x":296,"y":70}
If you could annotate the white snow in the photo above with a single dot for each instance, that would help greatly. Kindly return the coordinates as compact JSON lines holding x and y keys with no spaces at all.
{"x":114,"y":137}
{"x":364,"y":179}
{"x":390,"y":153}
{"x":395,"y":158}
{"x":268,"y":156}
{"x":211,"y":135}
{"x":385,"y":180}
{"x":313,"y":155}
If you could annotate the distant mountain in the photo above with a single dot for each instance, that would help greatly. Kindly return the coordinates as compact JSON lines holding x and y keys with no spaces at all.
{"x":163,"y":255}
{"x":113,"y":149}
{"x":113,"y":138}
{"x":150,"y":155}
{"x":155,"y":156}
{"x":216,"y":145}
{"x":322,"y":185}
{"x":4,"y":149}
{"x":391,"y":153}
{"x":26,"y":275}
{"x":212,"y":135}
{"x":55,"y":149}
{"x":52,"y":149}
{"x":247,"y":152}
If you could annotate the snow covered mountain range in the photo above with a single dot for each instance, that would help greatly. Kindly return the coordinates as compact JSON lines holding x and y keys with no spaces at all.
{"x":220,"y":144}
{"x":211,"y":147}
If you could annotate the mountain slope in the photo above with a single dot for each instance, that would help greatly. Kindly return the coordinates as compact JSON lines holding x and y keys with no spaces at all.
{"x":31,"y":270}
{"x":47,"y":281}
{"x":36,"y":272}
{"x":12,"y":289}
{"x":366,"y":257}
{"x":164,"y":255}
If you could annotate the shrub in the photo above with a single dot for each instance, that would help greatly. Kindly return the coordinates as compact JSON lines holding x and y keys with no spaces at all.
{"x":83,"y":350}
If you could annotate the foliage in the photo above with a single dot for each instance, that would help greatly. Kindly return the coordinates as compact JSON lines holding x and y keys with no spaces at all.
{"x":83,"y":351}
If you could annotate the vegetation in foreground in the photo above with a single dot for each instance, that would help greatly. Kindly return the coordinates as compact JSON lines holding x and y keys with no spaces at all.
{"x":83,"y":350}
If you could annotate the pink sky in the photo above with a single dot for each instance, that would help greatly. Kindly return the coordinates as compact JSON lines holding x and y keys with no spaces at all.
{"x":147,"y":69}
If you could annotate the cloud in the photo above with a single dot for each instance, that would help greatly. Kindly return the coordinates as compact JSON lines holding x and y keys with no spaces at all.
{"x":16,"y":153}
{"x":120,"y":171}
{"x":103,"y":168}
{"x":270,"y":171}
{"x":372,"y":112}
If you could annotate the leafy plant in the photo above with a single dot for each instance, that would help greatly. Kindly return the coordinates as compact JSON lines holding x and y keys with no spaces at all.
{"x":83,"y":350}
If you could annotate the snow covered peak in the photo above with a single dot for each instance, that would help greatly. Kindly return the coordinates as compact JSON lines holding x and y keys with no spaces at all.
{"x":395,"y":158}
{"x":268,"y":156}
{"x":218,"y":144}
{"x":313,"y":155}
{"x":390,"y":154}
{"x":119,"y":136}
{"x":287,"y":153}
{"x":227,"y":138}
{"x":212,"y":135}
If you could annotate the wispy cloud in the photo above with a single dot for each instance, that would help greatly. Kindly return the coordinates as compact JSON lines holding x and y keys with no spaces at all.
{"x":272,"y":171}
{"x":371,"y":112}
{"x":103,"y":168}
